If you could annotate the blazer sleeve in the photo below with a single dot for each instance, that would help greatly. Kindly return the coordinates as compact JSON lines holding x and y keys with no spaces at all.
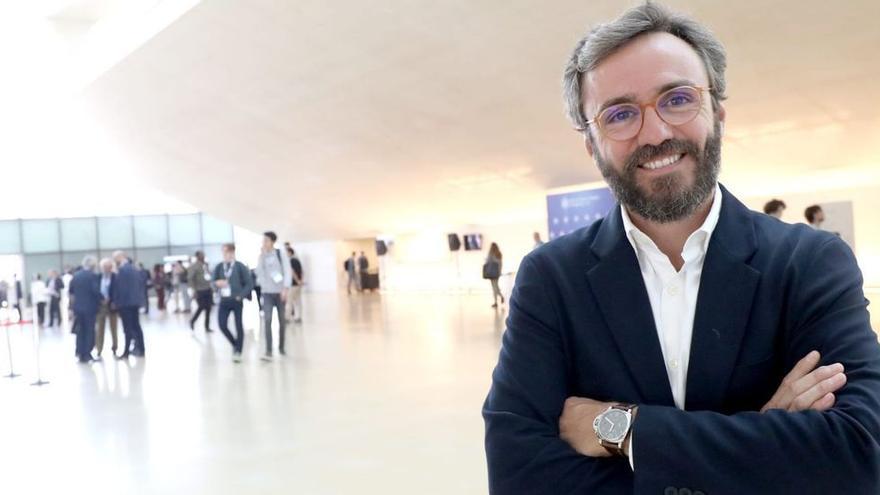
{"x":95,"y":286}
{"x":217,"y":274}
{"x":529,"y":388}
{"x":247,"y":281}
{"x":834,"y":451}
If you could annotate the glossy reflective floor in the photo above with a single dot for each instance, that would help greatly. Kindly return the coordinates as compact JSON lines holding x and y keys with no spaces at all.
{"x":378,"y":394}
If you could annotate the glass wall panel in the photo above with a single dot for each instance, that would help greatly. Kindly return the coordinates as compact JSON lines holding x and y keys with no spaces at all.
{"x":79,"y":234}
{"x":213,"y":254}
{"x":185,"y":230}
{"x":115,"y":232}
{"x":150,"y":231}
{"x":10,"y":238}
{"x":40,"y":236}
{"x":150,"y":256}
{"x":215,"y":231}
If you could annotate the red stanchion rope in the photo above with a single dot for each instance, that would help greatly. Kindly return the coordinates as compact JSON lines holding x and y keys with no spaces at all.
{"x":11,"y":323}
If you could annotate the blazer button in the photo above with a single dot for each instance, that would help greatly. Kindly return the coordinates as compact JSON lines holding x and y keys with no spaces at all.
{"x":670,"y":490}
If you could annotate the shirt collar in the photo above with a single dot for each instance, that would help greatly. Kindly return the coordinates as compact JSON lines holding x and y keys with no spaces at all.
{"x":703,"y":234}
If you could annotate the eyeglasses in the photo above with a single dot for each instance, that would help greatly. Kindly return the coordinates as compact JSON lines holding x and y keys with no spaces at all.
{"x":676,"y":107}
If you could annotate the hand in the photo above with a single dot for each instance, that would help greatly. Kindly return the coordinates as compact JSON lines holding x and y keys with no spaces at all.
{"x":284,"y":296}
{"x":807,"y":387}
{"x":576,"y":425}
{"x":221,"y":283}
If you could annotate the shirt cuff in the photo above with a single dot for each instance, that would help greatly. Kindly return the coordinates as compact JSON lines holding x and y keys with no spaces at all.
{"x":629,"y":453}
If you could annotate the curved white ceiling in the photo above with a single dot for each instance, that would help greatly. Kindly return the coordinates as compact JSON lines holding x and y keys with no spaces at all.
{"x":348,"y":118}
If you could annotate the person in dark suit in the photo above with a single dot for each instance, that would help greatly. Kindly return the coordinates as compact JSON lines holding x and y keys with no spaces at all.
{"x":129,"y":294}
{"x":234,"y":282}
{"x":54,"y":286}
{"x":148,"y":284}
{"x":682,"y":344}
{"x":85,"y":295}
{"x":19,"y":295}
{"x":363,"y":265}
{"x":107,"y":311}
{"x":351,"y":269}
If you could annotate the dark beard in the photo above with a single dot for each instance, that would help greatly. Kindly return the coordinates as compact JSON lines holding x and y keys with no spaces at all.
{"x":668,"y":200}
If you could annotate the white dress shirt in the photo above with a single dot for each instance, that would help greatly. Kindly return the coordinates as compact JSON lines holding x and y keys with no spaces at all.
{"x":673,"y":294}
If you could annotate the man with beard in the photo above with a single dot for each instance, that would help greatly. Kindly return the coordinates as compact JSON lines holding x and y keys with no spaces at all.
{"x":683,"y":344}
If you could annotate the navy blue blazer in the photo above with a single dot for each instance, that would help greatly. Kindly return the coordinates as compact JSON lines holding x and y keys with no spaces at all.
{"x":129,"y":287}
{"x":85,"y":289}
{"x":241,"y":283}
{"x":580,"y":324}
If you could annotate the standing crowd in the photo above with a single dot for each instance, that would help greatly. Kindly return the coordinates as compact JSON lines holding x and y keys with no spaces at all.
{"x":116,"y":289}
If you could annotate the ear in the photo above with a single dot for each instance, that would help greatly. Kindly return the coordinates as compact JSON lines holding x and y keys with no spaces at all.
{"x":588,"y":143}
{"x":722,"y":114}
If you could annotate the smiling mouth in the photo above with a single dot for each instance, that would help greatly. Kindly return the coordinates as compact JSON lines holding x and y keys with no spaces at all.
{"x":662,"y":163}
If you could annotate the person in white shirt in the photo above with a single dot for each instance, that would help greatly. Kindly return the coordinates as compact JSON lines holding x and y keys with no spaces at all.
{"x":273,"y":277}
{"x":107,"y":310}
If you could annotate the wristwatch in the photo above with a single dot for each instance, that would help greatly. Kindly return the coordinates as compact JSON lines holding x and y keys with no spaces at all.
{"x":612,"y":426}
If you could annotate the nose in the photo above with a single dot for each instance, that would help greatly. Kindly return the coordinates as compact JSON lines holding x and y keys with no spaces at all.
{"x":654,"y":130}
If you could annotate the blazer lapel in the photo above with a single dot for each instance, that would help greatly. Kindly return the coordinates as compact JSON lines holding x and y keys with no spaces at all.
{"x":617,"y":284}
{"x":727,"y":288}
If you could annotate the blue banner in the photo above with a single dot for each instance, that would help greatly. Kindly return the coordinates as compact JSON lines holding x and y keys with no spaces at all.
{"x":568,"y":212}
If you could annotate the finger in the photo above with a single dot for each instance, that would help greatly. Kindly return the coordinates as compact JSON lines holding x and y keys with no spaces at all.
{"x":824,"y":404}
{"x":805,"y":400}
{"x":803,"y":367}
{"x":816,"y":376}
{"x":784,"y":395}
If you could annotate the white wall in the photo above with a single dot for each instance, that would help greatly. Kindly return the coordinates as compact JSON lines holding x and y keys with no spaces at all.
{"x":421,"y":261}
{"x":319,"y":264}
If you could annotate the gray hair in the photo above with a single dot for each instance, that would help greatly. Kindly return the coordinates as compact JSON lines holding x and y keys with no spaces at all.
{"x":605,"y":39}
{"x":89,"y":262}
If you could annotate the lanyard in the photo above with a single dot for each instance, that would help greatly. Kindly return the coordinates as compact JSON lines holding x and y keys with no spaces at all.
{"x":228,"y":271}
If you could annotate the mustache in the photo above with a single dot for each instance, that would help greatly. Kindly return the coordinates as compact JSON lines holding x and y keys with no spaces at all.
{"x":650,"y":152}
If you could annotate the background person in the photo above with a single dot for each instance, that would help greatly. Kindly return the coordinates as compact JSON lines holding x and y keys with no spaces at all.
{"x":234,"y":282}
{"x":492,"y":272}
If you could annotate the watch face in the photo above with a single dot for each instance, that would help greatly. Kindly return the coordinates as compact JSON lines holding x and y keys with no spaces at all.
{"x":613,"y":425}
